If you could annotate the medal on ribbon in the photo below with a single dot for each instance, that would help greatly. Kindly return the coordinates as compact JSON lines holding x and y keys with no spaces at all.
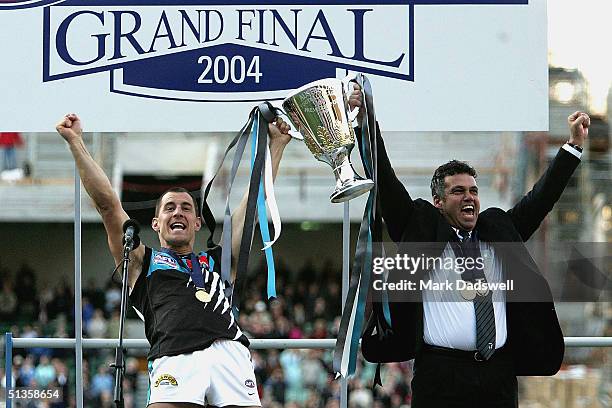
{"x":203,"y":296}
{"x":195,"y":271}
{"x":468,"y":293}
{"x":483,"y":287}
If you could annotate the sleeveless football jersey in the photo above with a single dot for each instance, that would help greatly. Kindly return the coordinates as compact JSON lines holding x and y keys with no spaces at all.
{"x":176,"y":322}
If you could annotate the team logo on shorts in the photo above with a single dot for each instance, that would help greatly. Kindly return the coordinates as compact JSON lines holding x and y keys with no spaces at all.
{"x":250,"y":383}
{"x":166,"y":379}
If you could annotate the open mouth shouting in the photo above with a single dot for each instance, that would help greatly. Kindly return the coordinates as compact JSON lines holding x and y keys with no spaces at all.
{"x":178,"y":226}
{"x":468,"y":210}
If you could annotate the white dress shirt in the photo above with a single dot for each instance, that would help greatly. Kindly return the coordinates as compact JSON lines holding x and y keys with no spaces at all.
{"x":448,"y":319}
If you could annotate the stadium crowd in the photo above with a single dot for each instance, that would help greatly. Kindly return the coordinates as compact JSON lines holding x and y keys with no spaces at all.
{"x":308,"y":305}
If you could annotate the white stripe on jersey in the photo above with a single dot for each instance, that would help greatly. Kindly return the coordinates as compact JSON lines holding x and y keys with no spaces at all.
{"x":238,"y":333}
{"x":138,"y":313}
{"x":220,"y":299}
{"x":232,"y":321}
{"x":213,"y":287}
{"x":226,"y":304}
{"x":217,"y":287}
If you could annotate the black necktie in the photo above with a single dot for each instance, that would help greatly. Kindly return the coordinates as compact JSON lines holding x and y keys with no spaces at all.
{"x":483,"y":305}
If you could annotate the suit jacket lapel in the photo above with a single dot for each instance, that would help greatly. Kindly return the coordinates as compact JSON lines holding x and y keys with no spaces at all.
{"x":445,"y":232}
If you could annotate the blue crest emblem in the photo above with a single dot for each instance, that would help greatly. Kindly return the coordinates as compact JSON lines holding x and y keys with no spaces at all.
{"x":23,"y":4}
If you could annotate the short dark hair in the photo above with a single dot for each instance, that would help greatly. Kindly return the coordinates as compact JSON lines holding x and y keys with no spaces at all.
{"x":448,"y":169}
{"x":177,"y":190}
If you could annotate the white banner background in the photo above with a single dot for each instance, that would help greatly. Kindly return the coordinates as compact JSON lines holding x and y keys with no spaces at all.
{"x":476,"y":67}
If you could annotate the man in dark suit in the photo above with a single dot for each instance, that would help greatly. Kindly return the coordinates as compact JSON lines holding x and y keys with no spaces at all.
{"x":470,"y":344}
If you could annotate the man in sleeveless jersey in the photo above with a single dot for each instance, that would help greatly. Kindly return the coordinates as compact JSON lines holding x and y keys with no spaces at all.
{"x":198,"y":354}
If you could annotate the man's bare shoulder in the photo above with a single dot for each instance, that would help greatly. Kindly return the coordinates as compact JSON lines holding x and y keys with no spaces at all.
{"x":136,"y":263}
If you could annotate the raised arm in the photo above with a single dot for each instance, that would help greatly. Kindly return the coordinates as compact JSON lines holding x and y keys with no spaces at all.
{"x":279,"y":137}
{"x":395,"y":201}
{"x":530,"y":211}
{"x":99,"y":188}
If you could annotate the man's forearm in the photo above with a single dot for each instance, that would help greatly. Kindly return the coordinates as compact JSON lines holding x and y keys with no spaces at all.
{"x":530,"y":211}
{"x":94,"y":179}
{"x":395,"y":202}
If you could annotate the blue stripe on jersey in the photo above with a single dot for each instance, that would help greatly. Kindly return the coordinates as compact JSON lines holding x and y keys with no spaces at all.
{"x":150,"y":369}
{"x":161,"y":260}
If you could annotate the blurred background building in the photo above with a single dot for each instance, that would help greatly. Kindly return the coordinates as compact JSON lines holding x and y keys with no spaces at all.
{"x":36,"y":263}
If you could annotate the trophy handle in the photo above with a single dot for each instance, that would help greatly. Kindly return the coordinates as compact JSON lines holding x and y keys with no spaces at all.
{"x":296,"y":135}
{"x":293,"y":133}
{"x":348,"y":89}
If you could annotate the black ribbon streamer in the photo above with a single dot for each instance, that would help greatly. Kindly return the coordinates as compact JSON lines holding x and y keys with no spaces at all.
{"x":264,"y":117}
{"x":370,"y":231}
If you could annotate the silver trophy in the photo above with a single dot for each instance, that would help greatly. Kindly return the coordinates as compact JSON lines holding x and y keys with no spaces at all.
{"x":320,"y":112}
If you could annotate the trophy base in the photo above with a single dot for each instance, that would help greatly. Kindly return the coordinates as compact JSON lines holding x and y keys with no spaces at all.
{"x":354,"y":189}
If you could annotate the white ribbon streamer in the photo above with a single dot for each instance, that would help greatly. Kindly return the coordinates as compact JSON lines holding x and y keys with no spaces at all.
{"x":271,"y":199}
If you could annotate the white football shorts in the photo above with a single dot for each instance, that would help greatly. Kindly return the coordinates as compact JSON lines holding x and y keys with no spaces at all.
{"x":219,"y":375}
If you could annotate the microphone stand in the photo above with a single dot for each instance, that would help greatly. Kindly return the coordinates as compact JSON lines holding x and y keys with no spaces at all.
{"x":119,"y":364}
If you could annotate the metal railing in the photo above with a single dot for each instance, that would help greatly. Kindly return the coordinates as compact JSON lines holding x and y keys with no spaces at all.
{"x":11,"y":343}
{"x":27,"y":342}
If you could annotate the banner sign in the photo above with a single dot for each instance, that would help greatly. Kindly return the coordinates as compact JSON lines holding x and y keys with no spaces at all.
{"x":200,"y":65}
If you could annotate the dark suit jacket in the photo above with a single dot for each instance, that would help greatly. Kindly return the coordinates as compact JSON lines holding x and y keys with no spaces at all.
{"x":534,"y":335}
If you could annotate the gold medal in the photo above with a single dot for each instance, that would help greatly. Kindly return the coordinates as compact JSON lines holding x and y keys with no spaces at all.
{"x":468,"y":294}
{"x":482,"y":287}
{"x":483,"y":292}
{"x":203,"y":296}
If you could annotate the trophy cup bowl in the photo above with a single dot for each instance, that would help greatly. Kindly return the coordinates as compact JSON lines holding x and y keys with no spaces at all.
{"x":320,"y":112}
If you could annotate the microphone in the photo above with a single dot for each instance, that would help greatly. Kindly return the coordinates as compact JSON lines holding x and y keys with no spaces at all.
{"x":131,"y":228}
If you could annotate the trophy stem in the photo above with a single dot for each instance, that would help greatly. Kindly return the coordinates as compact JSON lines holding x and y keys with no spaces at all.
{"x":348,"y":183}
